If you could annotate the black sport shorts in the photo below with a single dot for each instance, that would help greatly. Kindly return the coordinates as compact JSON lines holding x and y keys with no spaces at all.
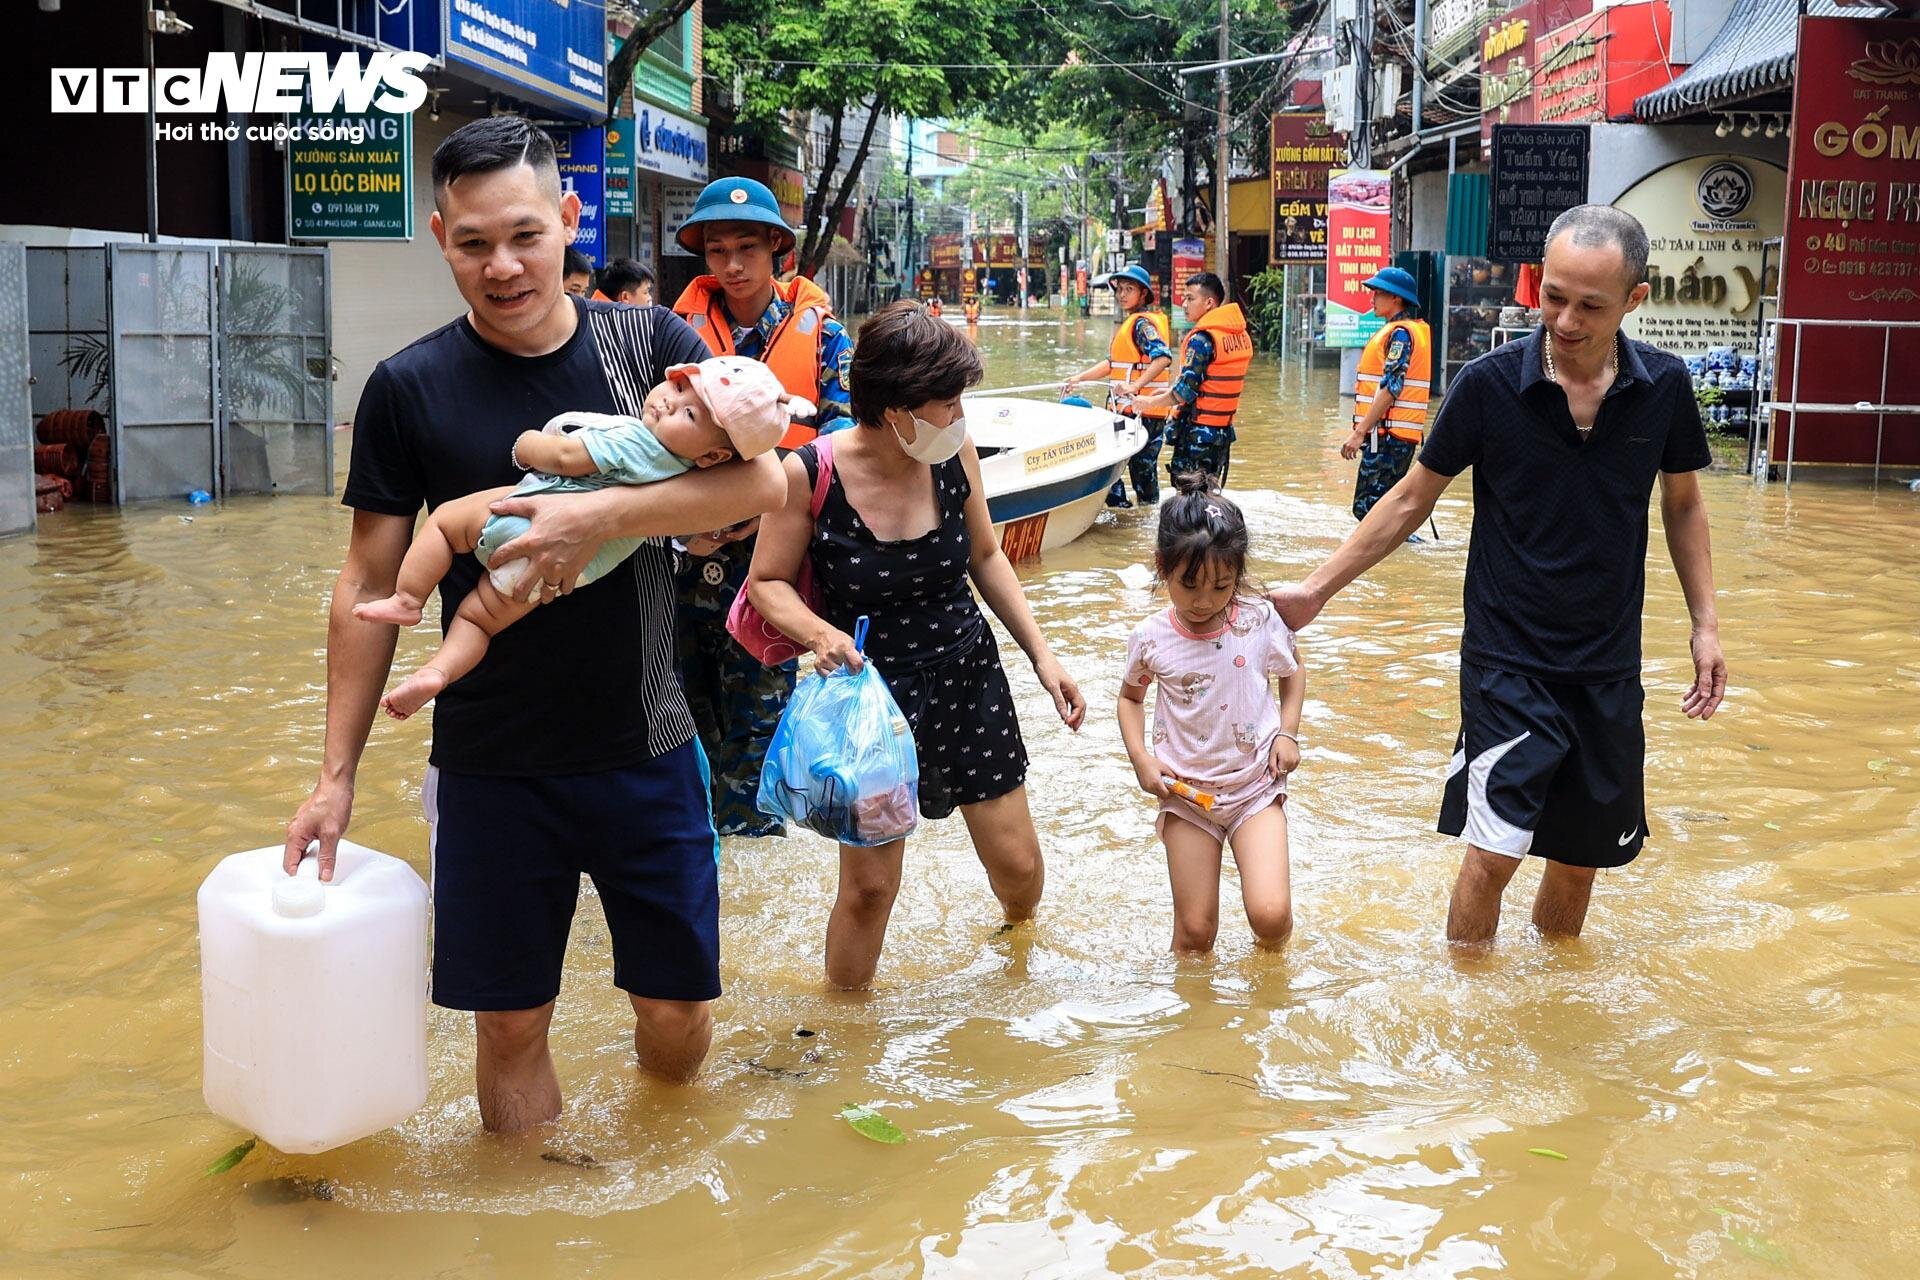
{"x":508,"y":854}
{"x":1555,"y":770}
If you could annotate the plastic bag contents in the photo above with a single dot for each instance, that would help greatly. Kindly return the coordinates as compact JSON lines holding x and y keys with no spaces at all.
{"x":842,"y":762}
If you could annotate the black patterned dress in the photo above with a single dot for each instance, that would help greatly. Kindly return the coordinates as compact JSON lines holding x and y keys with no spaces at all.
{"x":928,"y":638}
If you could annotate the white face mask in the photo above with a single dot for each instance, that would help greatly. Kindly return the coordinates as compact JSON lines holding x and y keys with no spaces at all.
{"x":933,"y":445}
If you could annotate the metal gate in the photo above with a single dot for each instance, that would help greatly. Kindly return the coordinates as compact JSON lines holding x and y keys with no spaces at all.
{"x":164,"y":371}
{"x":16,"y":409}
{"x":275,"y":374}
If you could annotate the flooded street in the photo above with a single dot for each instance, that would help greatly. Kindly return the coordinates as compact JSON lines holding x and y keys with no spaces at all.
{"x":1727,"y":1059}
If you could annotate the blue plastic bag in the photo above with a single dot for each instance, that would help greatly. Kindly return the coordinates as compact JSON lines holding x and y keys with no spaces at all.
{"x":842,"y":762}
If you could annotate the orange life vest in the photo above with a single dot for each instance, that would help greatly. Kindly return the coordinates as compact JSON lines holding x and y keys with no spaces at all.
{"x":1232,"y":353}
{"x":1125,"y":360}
{"x":1407,"y":419}
{"x":793,"y":352}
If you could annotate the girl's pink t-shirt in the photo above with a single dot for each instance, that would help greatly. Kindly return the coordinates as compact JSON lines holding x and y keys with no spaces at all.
{"x":1215,"y":716}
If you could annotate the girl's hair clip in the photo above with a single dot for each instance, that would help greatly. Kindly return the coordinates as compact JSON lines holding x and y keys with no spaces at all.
{"x":1213,"y":512}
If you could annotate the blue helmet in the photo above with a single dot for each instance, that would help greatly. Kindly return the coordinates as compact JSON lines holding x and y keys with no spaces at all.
{"x":1396,"y":282}
{"x":734,"y":200}
{"x":1137,"y":274}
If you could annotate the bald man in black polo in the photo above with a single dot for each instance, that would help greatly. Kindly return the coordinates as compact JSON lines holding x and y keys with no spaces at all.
{"x":1566,"y":433}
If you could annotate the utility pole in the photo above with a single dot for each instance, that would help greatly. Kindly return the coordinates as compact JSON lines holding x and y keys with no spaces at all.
{"x":152,"y":147}
{"x":907,"y":263}
{"x":1361,"y":148}
{"x":1222,"y":222}
{"x":1026,"y":255}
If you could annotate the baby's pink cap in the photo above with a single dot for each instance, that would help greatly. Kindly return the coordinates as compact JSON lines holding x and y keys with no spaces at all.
{"x":745,"y":399}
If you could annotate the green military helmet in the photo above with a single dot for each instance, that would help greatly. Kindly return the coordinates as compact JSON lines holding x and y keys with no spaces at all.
{"x":734,"y":200}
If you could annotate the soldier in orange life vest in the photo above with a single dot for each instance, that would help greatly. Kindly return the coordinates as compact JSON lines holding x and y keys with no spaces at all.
{"x":741,"y":309}
{"x":1213,"y":368}
{"x":1390,"y":391}
{"x":1138,"y":359}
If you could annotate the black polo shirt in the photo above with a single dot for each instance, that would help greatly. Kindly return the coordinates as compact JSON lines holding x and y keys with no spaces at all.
{"x":1556,"y":569}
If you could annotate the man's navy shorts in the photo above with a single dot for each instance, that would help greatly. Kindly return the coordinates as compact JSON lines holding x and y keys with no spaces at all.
{"x":1555,"y":770}
{"x":508,"y":854}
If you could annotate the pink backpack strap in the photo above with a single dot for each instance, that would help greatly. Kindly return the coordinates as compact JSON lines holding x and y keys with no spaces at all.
{"x":823,"y":472}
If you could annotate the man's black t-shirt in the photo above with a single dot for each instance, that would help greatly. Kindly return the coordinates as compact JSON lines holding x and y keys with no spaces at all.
{"x":585,"y":683}
{"x":1556,"y":569}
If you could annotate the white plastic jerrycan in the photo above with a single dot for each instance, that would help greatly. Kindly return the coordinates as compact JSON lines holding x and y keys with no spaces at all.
{"x":315,"y":996}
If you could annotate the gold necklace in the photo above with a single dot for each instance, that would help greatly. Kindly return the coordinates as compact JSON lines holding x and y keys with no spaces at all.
{"x":1613,"y":371}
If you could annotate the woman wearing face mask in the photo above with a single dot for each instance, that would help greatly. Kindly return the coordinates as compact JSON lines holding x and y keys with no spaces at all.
{"x":902,"y":528}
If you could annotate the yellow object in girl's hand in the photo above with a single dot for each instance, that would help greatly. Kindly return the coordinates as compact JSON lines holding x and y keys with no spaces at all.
{"x":1204,"y":799}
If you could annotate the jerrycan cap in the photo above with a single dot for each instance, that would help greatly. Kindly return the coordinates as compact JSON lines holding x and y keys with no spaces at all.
{"x":301,"y":895}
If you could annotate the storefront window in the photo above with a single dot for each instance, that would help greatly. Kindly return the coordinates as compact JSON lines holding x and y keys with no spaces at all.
{"x":1479,"y":300}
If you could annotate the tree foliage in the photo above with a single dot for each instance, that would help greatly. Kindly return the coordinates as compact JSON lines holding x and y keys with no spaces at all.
{"x":1142,"y":107}
{"x":853,"y":62}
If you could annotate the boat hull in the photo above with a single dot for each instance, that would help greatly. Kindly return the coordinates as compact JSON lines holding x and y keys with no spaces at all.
{"x":1047,"y":467}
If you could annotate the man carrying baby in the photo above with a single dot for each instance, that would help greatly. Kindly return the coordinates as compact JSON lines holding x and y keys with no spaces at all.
{"x":572,"y":723}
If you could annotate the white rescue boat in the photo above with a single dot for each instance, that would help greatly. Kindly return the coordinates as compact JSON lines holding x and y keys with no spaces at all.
{"x":1047,"y":467}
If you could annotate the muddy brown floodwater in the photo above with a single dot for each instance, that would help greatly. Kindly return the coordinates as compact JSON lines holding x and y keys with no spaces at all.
{"x":1728,"y":1059}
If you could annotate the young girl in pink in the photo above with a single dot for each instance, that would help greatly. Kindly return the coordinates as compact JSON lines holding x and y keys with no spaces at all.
{"x":1222,"y":745}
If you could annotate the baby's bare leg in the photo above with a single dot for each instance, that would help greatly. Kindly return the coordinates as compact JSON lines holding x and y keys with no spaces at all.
{"x":452,"y":530}
{"x":484,"y":614}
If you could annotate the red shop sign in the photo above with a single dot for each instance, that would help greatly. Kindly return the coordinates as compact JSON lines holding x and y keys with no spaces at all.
{"x":1508,"y":61}
{"x":1851,"y":248}
{"x":1594,"y":67}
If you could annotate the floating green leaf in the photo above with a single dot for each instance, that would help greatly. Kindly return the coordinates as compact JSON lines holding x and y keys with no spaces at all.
{"x":1548,"y":1152}
{"x":870,"y":1124}
{"x":230,"y":1159}
{"x":1881,"y":763}
{"x":1765,"y":1250}
{"x":1771,"y":826}
{"x":1434,"y":713}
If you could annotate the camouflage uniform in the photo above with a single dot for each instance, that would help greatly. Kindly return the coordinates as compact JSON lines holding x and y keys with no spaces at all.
{"x":1381,"y":467}
{"x":736,"y":701}
{"x":1197,"y":448}
{"x":1384,"y":459}
{"x":1143,"y":468}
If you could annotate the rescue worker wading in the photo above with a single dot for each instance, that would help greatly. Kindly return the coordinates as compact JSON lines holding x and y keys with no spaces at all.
{"x":1213,"y":369}
{"x":1138,"y":359}
{"x":740,"y":309}
{"x":1390,"y":391}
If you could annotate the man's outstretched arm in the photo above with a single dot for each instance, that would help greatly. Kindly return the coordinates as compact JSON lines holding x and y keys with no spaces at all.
{"x":1385,"y":530}
{"x":1683,"y":511}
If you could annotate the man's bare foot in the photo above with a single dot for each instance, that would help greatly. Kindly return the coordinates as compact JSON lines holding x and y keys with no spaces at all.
{"x":399,"y":608}
{"x":413,"y":693}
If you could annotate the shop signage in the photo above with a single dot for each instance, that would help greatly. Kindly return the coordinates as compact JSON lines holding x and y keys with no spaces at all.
{"x":676,"y":206}
{"x":343,"y":190}
{"x":646,"y":202}
{"x":1707,"y":219}
{"x":1508,"y":61}
{"x":1539,"y":172}
{"x":943,"y":251}
{"x":619,"y":174}
{"x":1851,"y":248}
{"x":1305,"y":151}
{"x":1594,"y":67}
{"x":552,"y":54}
{"x":667,"y":144}
{"x":1359,"y":220}
{"x":1573,"y":73}
{"x":582,"y":157}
